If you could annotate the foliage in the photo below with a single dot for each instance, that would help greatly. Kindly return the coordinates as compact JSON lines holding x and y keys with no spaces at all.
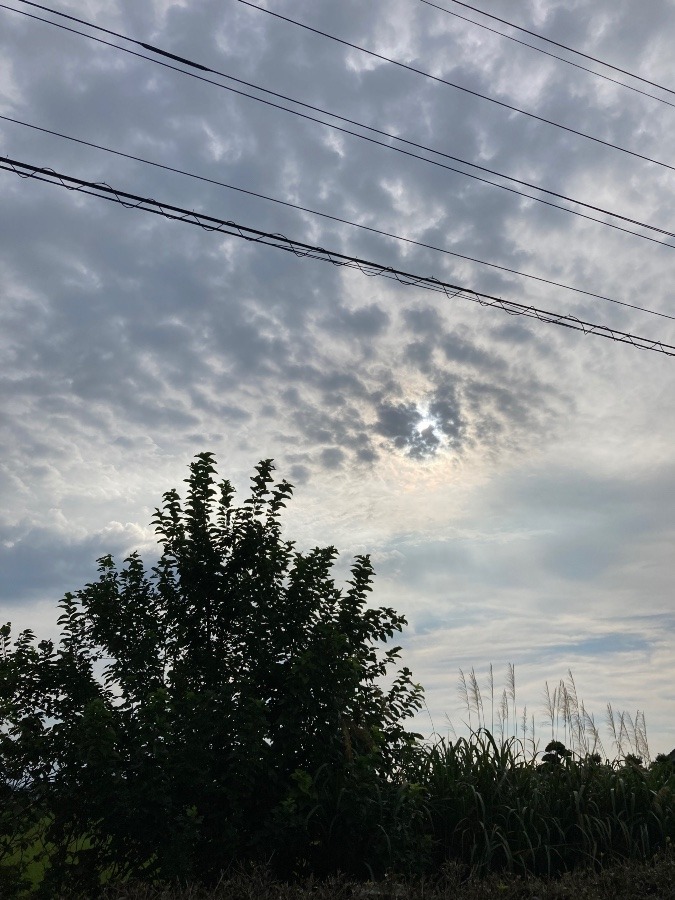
{"x":494,"y":808}
{"x":626,"y":881}
{"x":227,"y":705}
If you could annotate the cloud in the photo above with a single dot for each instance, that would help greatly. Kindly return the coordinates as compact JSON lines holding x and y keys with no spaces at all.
{"x":509,"y":476}
{"x":421,"y":430}
{"x":44,"y":563}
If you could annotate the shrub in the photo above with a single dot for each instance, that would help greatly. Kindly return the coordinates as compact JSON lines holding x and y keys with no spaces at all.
{"x":227,"y":705}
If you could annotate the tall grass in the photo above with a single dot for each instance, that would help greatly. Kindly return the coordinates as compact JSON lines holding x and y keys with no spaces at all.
{"x":494,"y":807}
{"x":496,"y":801}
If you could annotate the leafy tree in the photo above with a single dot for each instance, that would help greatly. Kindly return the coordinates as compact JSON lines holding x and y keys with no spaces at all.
{"x":226,"y":705}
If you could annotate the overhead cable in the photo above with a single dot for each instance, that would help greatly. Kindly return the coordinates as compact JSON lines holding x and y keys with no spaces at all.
{"x":452,"y":84}
{"x":568,"y":62}
{"x":364,"y":137}
{"x":554,"y":43}
{"x":333,"y":218}
{"x":309,"y":251}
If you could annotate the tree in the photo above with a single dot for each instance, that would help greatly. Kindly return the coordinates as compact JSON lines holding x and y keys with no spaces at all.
{"x":226,"y":705}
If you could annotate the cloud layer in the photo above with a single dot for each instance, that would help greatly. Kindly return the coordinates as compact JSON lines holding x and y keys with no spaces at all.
{"x":512,"y":479}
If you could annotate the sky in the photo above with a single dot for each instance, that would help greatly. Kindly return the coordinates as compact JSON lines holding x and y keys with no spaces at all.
{"x":513,"y":480}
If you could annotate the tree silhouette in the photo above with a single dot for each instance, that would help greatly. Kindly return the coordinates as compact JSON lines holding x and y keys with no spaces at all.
{"x":225,"y":705}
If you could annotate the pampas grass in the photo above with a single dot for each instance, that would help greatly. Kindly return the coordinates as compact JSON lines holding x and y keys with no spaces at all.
{"x":565,"y":718}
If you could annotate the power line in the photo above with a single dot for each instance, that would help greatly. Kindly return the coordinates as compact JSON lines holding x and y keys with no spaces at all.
{"x":554,"y":43}
{"x":371,"y":140}
{"x":309,"y":251}
{"x":333,"y":218}
{"x":457,"y":15}
{"x":568,"y":62}
{"x":452,"y":84}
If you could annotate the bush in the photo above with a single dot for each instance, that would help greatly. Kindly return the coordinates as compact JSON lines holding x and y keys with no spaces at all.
{"x":225,"y":706}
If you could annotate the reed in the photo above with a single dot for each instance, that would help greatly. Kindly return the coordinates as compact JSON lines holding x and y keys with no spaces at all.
{"x":500,"y":803}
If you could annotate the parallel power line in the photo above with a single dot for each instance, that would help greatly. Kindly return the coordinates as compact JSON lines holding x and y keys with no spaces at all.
{"x":310,"y":251}
{"x":364,"y":137}
{"x":551,"y":41}
{"x":508,"y":106}
{"x":452,"y":84}
{"x":568,"y":62}
{"x":333,"y":218}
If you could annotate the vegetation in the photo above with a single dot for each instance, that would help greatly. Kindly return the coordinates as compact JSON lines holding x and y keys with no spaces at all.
{"x":626,"y":881}
{"x":226,"y":709}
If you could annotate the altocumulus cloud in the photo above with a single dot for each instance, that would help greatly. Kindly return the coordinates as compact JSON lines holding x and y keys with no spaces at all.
{"x":511,"y":479}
